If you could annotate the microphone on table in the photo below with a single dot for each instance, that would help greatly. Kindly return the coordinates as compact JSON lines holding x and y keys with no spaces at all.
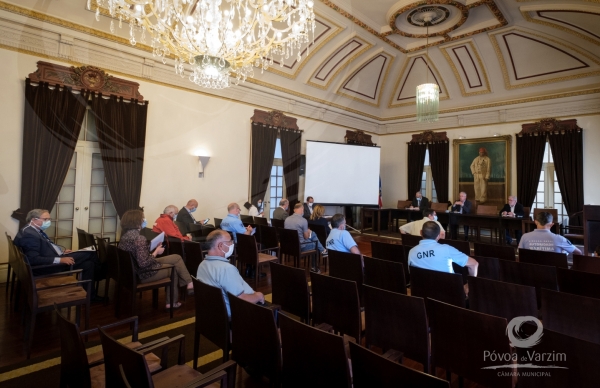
{"x":356,"y":230}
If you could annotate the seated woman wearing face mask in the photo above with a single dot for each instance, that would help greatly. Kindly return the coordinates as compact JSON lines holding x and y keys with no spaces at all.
{"x":131,"y":241}
{"x":255,"y":210}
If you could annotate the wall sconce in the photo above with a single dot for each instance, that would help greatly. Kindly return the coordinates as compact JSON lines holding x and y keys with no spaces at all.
{"x":496,"y":134}
{"x":203,"y":162}
{"x":462,"y":137}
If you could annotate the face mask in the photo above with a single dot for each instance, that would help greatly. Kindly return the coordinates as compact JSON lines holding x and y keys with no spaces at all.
{"x":45,"y":225}
{"x":144,"y":223}
{"x":229,"y":251}
{"x":435,"y":218}
{"x":192,"y":210}
{"x":175,"y":217}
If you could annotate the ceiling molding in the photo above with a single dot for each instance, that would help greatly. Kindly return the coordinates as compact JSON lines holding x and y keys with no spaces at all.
{"x":526,"y":10}
{"x":477,"y":64}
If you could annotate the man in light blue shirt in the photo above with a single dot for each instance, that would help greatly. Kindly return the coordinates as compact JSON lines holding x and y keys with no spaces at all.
{"x":215,"y":270}
{"x":232,"y":222}
{"x":430,"y":254}
{"x":339,"y":238}
{"x":542,"y":238}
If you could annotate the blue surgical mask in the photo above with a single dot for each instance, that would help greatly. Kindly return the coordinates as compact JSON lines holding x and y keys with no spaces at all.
{"x":144,"y":223}
{"x":192,"y":210}
{"x":175,"y":217}
{"x":45,"y":225}
{"x":435,"y":218}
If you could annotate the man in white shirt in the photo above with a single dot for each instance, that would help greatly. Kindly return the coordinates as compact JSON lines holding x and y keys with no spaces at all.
{"x":415,"y":227}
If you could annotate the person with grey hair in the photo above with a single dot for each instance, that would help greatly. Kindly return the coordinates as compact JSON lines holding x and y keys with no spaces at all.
{"x":215,"y":270}
{"x":40,"y":250}
{"x":542,"y":238}
{"x":513,"y":209}
{"x":281,"y":213}
{"x":166,"y":223}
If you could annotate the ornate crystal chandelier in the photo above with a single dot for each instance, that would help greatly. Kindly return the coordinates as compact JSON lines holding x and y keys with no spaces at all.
{"x":216,"y":38}
{"x":428,"y":94}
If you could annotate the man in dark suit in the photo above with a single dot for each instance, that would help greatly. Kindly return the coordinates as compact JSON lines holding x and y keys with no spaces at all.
{"x":281,"y":213}
{"x":419,"y":202}
{"x":186,"y":217}
{"x":39,"y":249}
{"x":512,"y":209}
{"x":463,"y":206}
{"x":308,"y":207}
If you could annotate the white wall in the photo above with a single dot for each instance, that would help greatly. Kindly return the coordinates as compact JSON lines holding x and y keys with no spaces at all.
{"x":180,"y":125}
{"x":394,"y":158}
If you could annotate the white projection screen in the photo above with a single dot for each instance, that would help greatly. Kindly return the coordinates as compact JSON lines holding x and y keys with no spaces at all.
{"x":342,"y":174}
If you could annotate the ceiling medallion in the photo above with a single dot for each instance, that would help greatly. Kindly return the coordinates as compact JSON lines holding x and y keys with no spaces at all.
{"x":434,"y":13}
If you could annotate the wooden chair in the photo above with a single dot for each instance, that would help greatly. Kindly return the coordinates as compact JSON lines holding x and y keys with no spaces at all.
{"x":148,"y":233}
{"x":127,"y":367}
{"x":543,"y":258}
{"x":336,"y":303}
{"x":462,"y":246}
{"x":578,"y":282}
{"x":290,"y":247}
{"x":85,"y":239}
{"x":399,"y":322}
{"x":506,"y":300}
{"x":193,"y":256}
{"x":439,"y":207}
{"x":391,"y":252}
{"x":174,"y":247}
{"x":347,"y":266}
{"x":409,"y":239}
{"x":255,"y":339}
{"x":488,"y":210}
{"x":554,"y":213}
{"x":277,"y":223}
{"x":586,"y":264}
{"x":384,"y":274}
{"x":246,"y":219}
{"x":212,"y":319}
{"x":403,"y":204}
{"x":78,"y":369}
{"x":313,"y":357}
{"x":489,"y":268}
{"x":289,"y":289}
{"x":502,"y":252}
{"x":574,"y":315}
{"x":261,"y":221}
{"x":268,"y":238}
{"x":112,"y":265}
{"x":442,"y":286}
{"x":249,"y":254}
{"x":580,"y":365}
{"x":129,"y":280}
{"x":321,"y":232}
{"x":538,"y":276}
{"x":369,"y":369}
{"x":44,"y":292}
{"x":459,"y":338}
{"x":218,"y":222}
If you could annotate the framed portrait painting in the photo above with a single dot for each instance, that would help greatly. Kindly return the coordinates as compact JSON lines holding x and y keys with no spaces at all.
{"x":482,"y":169}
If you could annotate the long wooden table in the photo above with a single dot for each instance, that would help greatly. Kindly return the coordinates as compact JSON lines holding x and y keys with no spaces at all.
{"x":392,"y":213}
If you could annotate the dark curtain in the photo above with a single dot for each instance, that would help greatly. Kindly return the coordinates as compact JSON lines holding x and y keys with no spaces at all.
{"x":439,"y":159}
{"x":416,"y":159}
{"x":290,"y":154}
{"x":121,"y":127}
{"x":262,"y":154}
{"x":530,"y":158}
{"x":567,"y":152}
{"x":51,"y":127}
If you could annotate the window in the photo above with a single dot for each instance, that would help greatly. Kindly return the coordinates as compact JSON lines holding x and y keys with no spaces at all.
{"x":276,"y":183}
{"x":548,"y":193}
{"x":427,"y":184}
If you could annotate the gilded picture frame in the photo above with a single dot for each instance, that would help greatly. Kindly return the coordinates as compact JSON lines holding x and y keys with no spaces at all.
{"x":470,"y":169}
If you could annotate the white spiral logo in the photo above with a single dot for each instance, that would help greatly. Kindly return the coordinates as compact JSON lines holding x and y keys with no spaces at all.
{"x":513,"y":328}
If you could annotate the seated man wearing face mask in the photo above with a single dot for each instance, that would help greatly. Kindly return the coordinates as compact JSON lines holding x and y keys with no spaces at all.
{"x":415,"y":227}
{"x":215,"y":270}
{"x":40,"y":250}
{"x":186,"y":217}
{"x":165,"y":223}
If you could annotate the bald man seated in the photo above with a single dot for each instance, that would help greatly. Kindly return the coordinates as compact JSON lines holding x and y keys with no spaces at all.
{"x":186,"y":217}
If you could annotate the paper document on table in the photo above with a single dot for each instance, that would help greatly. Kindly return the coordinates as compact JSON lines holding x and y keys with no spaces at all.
{"x":156,"y":241}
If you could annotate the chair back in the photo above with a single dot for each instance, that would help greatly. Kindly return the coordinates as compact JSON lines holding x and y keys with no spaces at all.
{"x":82,"y":238}
{"x":133,"y":364}
{"x":175,"y":246}
{"x":506,"y":300}
{"x":399,"y":322}
{"x":255,"y":339}
{"x":578,"y":282}
{"x":289,"y":289}
{"x":502,"y":252}
{"x":261,"y":221}
{"x":276,"y":223}
{"x":246,"y":219}
{"x":554,"y":213}
{"x":148,"y":233}
{"x":369,"y":369}
{"x":206,"y":230}
{"x":246,"y":249}
{"x":390,"y":252}
{"x":320,"y":230}
{"x":348,"y":266}
{"x":586,"y":263}
{"x":13,"y":251}
{"x":488,"y":210}
{"x":101,"y":244}
{"x":384,"y":274}
{"x":403,"y":204}
{"x":313,"y":357}
{"x":25,"y":276}
{"x":442,"y":286}
{"x":409,"y":239}
{"x":127,"y":270}
{"x":289,"y":242}
{"x":218,"y":222}
{"x":489,"y":267}
{"x":112,"y":261}
{"x":193,"y":256}
{"x":527,"y":213}
{"x":268,"y":237}
{"x":182,"y":226}
{"x":74,"y":366}
{"x":463,"y":354}
{"x":462,"y":246}
{"x":569,"y":314}
{"x":543,"y":258}
{"x":335,"y":302}
{"x":212,"y":320}
{"x":438,"y":207}
{"x":538,"y":276}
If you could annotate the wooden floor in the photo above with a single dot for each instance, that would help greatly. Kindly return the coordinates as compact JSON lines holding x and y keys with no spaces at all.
{"x":46,"y":339}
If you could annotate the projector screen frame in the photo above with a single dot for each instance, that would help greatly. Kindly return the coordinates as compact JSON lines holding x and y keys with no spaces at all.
{"x":368,"y":205}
